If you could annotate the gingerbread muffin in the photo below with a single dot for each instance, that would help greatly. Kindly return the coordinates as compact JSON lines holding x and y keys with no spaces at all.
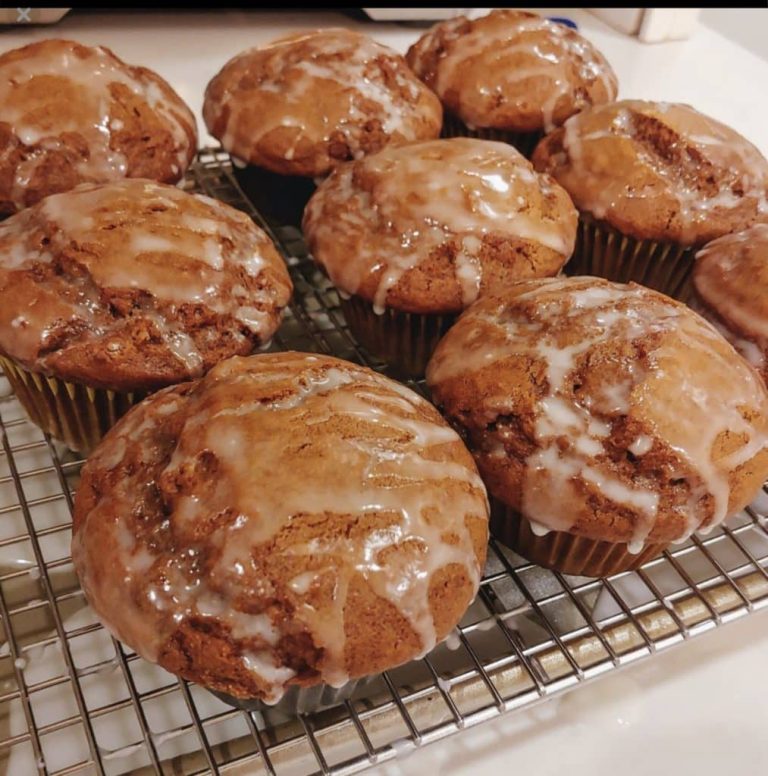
{"x":287,"y":521}
{"x":306,"y":103}
{"x":653,"y":182}
{"x":730,"y":285}
{"x":411,"y":236}
{"x":510,"y":75}
{"x":71,"y":114}
{"x":113,"y":290}
{"x":607,"y":420}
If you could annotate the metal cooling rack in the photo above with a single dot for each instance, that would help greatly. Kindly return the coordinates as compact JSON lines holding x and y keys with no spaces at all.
{"x":74,"y":701}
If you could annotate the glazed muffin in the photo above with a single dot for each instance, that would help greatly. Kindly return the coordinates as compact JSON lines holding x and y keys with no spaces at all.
{"x":510,"y":75}
{"x":306,"y":103}
{"x":72,"y":114}
{"x":294,"y":521}
{"x":607,"y":420}
{"x":730,"y":286}
{"x":110,"y":291}
{"x":653,"y":182}
{"x":411,"y":236}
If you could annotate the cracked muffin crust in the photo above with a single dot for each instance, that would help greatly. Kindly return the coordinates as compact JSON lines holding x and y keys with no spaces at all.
{"x":287,"y":520}
{"x":135,"y":285}
{"x":730,"y":284}
{"x":71,"y":113}
{"x":658,"y":171}
{"x":604,"y":411}
{"x":306,"y":103}
{"x":511,"y":70}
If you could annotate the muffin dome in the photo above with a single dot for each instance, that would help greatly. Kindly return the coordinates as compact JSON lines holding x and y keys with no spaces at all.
{"x":658,"y":171}
{"x":603,"y":410}
{"x":71,"y":114}
{"x":730,"y":280}
{"x":134,"y":285}
{"x":288,"y":519}
{"x":427,"y":227}
{"x":511,"y":70}
{"x":303,"y":104}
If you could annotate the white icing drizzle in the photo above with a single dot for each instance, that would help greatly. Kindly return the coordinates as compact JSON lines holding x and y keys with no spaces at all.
{"x":731,"y":278}
{"x":740,"y":172}
{"x":512,"y":50}
{"x":396,"y":208}
{"x":571,"y":430}
{"x":373,"y":457}
{"x":60,"y":86}
{"x":370,"y":82}
{"x":175,"y":247}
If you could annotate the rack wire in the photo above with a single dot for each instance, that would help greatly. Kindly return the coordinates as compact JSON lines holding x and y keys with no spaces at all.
{"x":75,"y":701}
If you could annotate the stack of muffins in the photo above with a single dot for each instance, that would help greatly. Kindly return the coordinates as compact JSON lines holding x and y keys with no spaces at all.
{"x":284,"y":525}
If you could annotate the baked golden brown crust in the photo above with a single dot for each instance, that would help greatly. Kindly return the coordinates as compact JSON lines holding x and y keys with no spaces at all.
{"x":658,"y":171}
{"x":303,"y":104}
{"x":425,"y":228}
{"x":730,"y":281}
{"x":511,"y":70}
{"x":71,"y":114}
{"x":286,"y":520}
{"x":604,"y":410}
{"x":135,"y":285}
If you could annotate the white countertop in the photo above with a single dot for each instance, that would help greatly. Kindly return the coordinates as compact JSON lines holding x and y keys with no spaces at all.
{"x":703,"y":706}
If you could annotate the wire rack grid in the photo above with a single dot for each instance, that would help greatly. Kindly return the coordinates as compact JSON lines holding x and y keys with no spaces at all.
{"x":75,"y":701}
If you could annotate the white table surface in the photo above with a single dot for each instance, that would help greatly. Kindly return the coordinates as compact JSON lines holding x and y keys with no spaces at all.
{"x":701,"y":708}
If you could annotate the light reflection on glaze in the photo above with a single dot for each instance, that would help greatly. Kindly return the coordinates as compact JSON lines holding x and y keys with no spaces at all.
{"x":398,"y":206}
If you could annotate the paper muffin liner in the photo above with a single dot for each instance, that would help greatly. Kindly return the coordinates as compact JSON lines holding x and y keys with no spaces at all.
{"x":565,"y":552}
{"x":524,"y":142}
{"x":280,"y":197}
{"x":299,"y":700}
{"x":405,"y":341}
{"x":76,"y":414}
{"x":605,"y":252}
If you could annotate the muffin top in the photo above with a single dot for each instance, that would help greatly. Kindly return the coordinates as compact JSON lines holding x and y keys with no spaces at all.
{"x":511,"y":70}
{"x":305,"y":103}
{"x":289,"y":519}
{"x":730,"y":278}
{"x":605,"y":410}
{"x":134,"y":285}
{"x":426,"y":227}
{"x":71,"y":114}
{"x":658,"y":171}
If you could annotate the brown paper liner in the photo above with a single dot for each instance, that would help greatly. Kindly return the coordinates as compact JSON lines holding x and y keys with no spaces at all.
{"x":564,"y":552}
{"x":524,"y":142}
{"x":405,"y":341}
{"x":605,"y":252}
{"x":76,"y":414}
{"x":281,"y":198}
{"x":299,"y":700}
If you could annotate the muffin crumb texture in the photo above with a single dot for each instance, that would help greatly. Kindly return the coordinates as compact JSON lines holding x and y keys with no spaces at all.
{"x":730,"y":280}
{"x":306,"y":103}
{"x":658,"y":171}
{"x":135,"y":285}
{"x":286,"y":520}
{"x":511,"y":70}
{"x":607,"y":411}
{"x":71,"y":114}
{"x":426,"y":228}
